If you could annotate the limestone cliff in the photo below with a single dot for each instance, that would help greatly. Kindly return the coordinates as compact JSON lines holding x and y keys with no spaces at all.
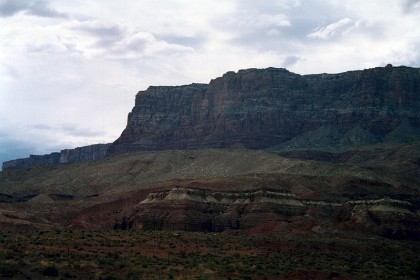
{"x":261,"y":108}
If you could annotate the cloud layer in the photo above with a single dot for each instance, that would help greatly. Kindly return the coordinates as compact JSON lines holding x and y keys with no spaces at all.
{"x":69,"y":70}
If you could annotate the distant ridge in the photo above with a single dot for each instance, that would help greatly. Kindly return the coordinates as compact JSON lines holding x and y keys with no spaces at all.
{"x":80,"y":154}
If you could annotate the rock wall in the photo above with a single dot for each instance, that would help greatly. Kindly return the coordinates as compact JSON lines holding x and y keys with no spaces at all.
{"x":260,"y":108}
{"x":80,"y":154}
{"x":86,"y":153}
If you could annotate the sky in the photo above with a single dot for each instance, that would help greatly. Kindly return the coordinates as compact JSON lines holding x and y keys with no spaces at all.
{"x":70,"y":70}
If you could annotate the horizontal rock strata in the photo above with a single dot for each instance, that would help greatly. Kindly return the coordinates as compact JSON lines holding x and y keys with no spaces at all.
{"x":261,"y":108}
{"x":80,"y":154}
{"x":210,"y":210}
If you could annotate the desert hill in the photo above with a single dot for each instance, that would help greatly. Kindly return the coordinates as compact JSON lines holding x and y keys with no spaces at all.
{"x":269,"y":189}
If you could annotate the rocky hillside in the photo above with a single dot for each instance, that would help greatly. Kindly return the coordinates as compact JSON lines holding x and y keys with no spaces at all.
{"x":262,"y":108}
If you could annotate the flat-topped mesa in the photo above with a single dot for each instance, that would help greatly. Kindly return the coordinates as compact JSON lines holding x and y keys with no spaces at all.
{"x":80,"y":154}
{"x":260,"y":108}
{"x":263,"y":108}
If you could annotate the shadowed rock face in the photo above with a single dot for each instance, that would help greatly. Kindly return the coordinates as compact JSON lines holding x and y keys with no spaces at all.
{"x":260,"y":108}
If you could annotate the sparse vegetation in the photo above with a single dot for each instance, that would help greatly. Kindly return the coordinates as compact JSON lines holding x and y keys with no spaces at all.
{"x":187,"y":255}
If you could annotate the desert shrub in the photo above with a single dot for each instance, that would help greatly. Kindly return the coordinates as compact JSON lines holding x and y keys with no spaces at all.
{"x":68,"y":275}
{"x":51,"y":271}
{"x":105,"y":261}
{"x":7,"y":270}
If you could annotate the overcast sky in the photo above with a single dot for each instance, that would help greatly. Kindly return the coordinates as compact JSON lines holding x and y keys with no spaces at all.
{"x":69,"y":70}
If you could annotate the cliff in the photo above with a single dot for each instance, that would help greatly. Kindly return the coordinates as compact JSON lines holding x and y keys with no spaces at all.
{"x":267,"y":108}
{"x":261,"y":108}
{"x":80,"y":154}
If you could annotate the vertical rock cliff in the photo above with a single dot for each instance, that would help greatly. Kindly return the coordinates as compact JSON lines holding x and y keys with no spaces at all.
{"x":260,"y":108}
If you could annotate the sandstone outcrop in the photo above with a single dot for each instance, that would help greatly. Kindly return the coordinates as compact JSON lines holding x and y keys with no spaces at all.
{"x":261,"y":108}
{"x":209,"y":210}
{"x":80,"y":154}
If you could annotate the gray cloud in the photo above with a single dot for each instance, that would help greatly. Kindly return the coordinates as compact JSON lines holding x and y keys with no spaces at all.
{"x":410,"y":6}
{"x":11,"y":7}
{"x":36,"y":8}
{"x":101,"y":30}
{"x":290,"y":61}
{"x":42,"y":9}
{"x":67,"y":129}
{"x":193,"y":42}
{"x":106,"y":34}
{"x":9,"y":71}
{"x":282,"y":36}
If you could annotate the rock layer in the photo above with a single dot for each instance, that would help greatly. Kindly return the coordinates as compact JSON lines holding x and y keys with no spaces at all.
{"x":209,"y":210}
{"x":260,"y":108}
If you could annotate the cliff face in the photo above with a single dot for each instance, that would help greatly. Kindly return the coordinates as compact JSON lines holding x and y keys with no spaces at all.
{"x":260,"y":108}
{"x":86,"y":153}
{"x":80,"y":154}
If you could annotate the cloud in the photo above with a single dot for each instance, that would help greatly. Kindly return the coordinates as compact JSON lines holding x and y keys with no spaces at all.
{"x":410,"y":6}
{"x":11,"y":7}
{"x":66,"y":129}
{"x":100,"y":29}
{"x":194,"y":42}
{"x":290,"y":61}
{"x":36,"y":8}
{"x":331,"y":29}
{"x":42,"y":9}
{"x":103,"y":39}
{"x":8,"y":72}
{"x":249,"y":20}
